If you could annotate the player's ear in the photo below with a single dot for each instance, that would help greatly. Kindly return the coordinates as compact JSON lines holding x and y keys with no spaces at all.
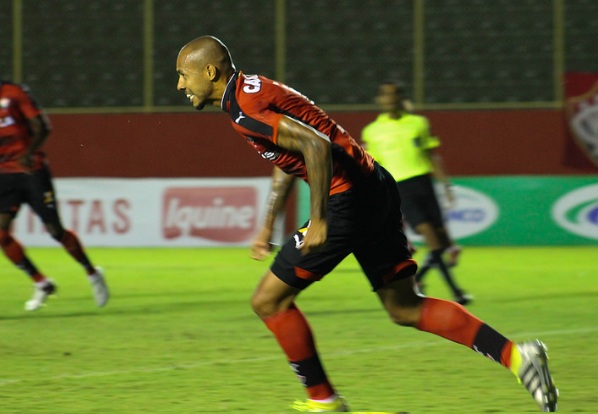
{"x":212,"y":72}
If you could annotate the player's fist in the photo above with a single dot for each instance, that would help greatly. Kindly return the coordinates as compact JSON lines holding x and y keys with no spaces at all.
{"x":315,"y":236}
{"x":261,"y":246}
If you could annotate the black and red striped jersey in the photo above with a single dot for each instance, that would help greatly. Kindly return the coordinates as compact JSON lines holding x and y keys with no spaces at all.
{"x":17,"y":106}
{"x":256,"y":104}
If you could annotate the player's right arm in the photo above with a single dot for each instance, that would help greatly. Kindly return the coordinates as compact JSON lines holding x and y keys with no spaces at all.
{"x":316,"y":150}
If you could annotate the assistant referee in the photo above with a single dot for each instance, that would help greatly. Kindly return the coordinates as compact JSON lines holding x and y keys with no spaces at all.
{"x":402,"y":143}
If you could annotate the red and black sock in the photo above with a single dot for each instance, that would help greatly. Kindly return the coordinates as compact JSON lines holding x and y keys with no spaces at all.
{"x":294,"y":335}
{"x":15,"y":253}
{"x":73,"y":246}
{"x":452,"y":321}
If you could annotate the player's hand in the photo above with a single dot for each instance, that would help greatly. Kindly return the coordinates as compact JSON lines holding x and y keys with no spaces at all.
{"x":261,"y":246}
{"x":315,"y":236}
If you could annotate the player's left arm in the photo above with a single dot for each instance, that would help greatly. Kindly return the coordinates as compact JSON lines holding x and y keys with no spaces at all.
{"x":315,"y":148}
{"x":438,"y":167}
{"x":441,"y":175}
{"x":281,"y":186}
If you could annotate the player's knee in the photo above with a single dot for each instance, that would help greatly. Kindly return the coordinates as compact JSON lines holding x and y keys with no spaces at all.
{"x":262,"y":306}
{"x":265,"y":306}
{"x":404,"y":316}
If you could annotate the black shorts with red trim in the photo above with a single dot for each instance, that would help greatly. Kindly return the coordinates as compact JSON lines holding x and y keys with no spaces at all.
{"x":364,"y":221}
{"x":35,"y":189}
{"x":420,"y":204}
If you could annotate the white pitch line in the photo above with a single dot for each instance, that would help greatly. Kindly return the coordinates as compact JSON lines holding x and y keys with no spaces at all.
{"x":9,"y":381}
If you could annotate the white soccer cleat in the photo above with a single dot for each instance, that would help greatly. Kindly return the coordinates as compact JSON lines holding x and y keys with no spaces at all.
{"x":40,"y":295}
{"x":101,"y":293}
{"x":534,"y":374}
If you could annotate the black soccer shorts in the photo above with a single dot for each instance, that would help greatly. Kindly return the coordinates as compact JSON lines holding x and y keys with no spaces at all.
{"x":35,"y":189}
{"x":419,"y":201}
{"x":364,"y":221}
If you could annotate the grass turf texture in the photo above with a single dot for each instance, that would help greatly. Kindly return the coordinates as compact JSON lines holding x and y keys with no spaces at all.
{"x":179,"y":336}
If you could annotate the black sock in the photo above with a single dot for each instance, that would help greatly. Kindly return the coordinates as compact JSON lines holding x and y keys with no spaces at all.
{"x":438,"y":262}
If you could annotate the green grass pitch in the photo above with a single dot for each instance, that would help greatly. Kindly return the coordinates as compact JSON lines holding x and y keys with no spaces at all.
{"x":179,"y":336}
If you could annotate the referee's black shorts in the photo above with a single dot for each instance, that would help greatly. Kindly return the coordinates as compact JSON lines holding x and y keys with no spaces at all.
{"x":363,"y":221}
{"x":419,"y":201}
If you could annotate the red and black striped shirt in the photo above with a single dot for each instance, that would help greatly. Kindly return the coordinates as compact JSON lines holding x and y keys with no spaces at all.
{"x":17,"y":106}
{"x":256,"y":104}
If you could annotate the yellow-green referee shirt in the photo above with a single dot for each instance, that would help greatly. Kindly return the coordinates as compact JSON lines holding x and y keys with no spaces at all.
{"x":400,"y":145}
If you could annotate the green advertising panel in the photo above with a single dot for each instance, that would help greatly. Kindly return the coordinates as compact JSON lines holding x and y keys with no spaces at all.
{"x":516,"y":210}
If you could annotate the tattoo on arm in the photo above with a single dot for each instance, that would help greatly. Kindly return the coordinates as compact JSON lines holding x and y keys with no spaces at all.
{"x":282,"y":184}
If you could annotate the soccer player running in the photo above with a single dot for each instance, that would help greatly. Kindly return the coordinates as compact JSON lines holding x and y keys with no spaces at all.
{"x":353,"y":205}
{"x":26,"y":178}
{"x":401,"y":142}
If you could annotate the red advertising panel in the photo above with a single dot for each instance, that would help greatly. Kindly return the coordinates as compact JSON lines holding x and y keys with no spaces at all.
{"x":223,"y":214}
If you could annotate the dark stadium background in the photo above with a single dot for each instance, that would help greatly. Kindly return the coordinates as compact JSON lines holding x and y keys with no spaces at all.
{"x":490,"y":76}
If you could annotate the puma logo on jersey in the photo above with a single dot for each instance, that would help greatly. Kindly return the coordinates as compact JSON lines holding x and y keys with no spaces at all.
{"x":270,"y":155}
{"x":241,"y":116}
